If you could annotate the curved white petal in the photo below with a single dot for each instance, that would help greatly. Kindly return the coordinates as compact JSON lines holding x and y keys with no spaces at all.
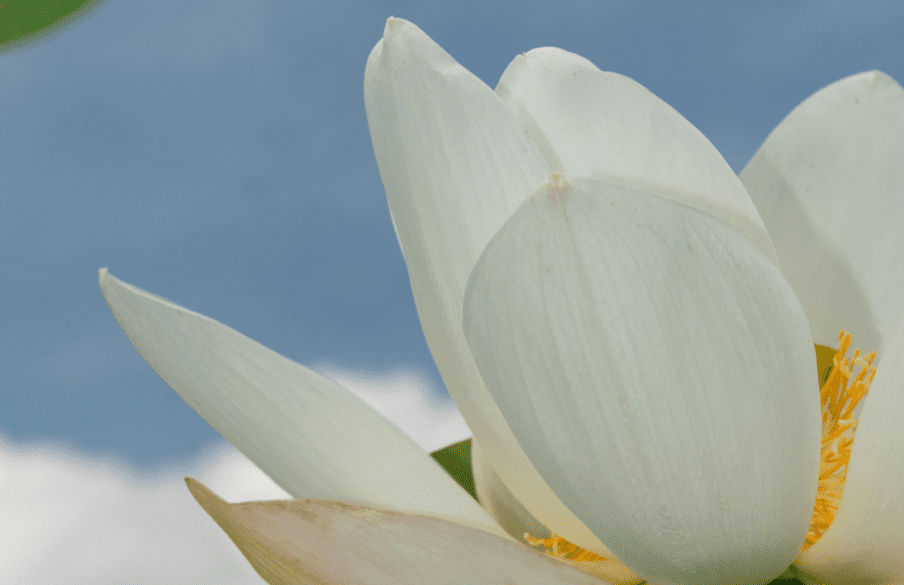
{"x":455,"y":162}
{"x":829,"y":184}
{"x":312,"y":436}
{"x":336,"y":543}
{"x":865,"y":543}
{"x":658,"y":371}
{"x":593,"y":123}
{"x":509,"y":513}
{"x":499,"y":502}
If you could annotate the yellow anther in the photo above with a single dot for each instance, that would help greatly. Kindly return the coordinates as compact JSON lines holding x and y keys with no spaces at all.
{"x":558,"y":547}
{"x":610,"y":569}
{"x":844,"y":388}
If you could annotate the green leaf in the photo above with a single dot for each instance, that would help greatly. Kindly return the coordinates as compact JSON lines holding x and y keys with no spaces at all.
{"x":23,"y":21}
{"x":456,"y":460}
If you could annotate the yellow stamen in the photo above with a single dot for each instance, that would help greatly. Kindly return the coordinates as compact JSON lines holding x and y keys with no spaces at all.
{"x":609,"y":569}
{"x":558,"y":547}
{"x":842,"y":390}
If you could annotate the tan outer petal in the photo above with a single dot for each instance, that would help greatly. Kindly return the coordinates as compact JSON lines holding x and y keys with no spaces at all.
{"x":455,"y":162}
{"x":829,"y":183}
{"x":312,"y":436}
{"x":320,"y":542}
{"x":865,"y":543}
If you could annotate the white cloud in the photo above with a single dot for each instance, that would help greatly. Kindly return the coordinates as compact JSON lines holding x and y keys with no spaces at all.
{"x":73,"y":517}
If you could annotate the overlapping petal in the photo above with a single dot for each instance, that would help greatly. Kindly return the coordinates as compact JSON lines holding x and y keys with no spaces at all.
{"x":592,"y":123}
{"x":499,"y":502}
{"x":829,"y":185}
{"x":313,"y":437}
{"x":659,"y":373}
{"x":496,"y":499}
{"x":455,"y":162}
{"x":336,"y":543}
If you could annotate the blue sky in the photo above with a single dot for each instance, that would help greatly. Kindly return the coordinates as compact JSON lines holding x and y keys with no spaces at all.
{"x":217,"y":153}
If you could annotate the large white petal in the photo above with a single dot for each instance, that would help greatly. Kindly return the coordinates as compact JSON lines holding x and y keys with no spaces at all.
{"x":658,"y":371}
{"x":865,"y":543}
{"x":829,"y":183}
{"x":593,"y":123}
{"x":312,"y":436}
{"x":336,"y":543}
{"x":456,"y":162}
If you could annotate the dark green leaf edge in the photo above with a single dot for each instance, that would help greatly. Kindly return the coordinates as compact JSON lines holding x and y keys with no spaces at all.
{"x":456,"y":460}
{"x":25,"y":21}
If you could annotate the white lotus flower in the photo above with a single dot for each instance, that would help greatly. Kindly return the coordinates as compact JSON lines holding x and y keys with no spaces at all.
{"x":604,"y":303}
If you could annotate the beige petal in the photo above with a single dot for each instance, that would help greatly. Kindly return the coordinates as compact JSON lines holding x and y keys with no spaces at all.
{"x":321,"y":542}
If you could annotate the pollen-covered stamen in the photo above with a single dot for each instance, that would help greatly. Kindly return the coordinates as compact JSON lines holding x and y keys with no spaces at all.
{"x":610,"y":569}
{"x":846,"y":385}
{"x":558,"y":547}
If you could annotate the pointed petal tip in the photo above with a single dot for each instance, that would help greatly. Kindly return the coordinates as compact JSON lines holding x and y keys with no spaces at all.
{"x":539,"y":58}
{"x":875,"y":75}
{"x":105,"y":281}
{"x":868,"y":81}
{"x":396,"y":30}
{"x":204,"y":496}
{"x":541,"y":54}
{"x":396,"y":26}
{"x":405,"y":37}
{"x":392,"y":23}
{"x":195,"y":486}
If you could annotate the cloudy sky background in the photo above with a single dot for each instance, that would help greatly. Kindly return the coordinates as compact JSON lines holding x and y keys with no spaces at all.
{"x":216,"y":152}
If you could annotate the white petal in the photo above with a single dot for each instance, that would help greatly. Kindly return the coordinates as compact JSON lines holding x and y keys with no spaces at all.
{"x":509,"y":513}
{"x":312,"y":436}
{"x":456,"y":162}
{"x":499,"y":502}
{"x":658,"y":371}
{"x":336,"y":543}
{"x":592,"y":123}
{"x":865,"y":543}
{"x":829,"y":184}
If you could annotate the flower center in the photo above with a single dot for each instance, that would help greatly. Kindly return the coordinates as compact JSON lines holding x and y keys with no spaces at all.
{"x":843,"y":387}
